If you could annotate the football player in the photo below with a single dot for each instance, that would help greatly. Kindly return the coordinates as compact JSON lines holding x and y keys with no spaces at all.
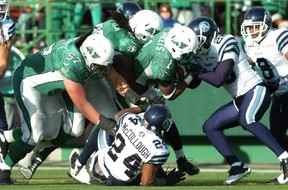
{"x":125,"y":45}
{"x":7,"y":38}
{"x":137,"y":151}
{"x":170,"y":47}
{"x":39,"y":81}
{"x":144,"y":31}
{"x":222,"y":62}
{"x":267,"y":48}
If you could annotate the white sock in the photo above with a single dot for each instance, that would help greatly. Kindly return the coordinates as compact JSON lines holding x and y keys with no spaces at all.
{"x":9,"y":136}
{"x":77,"y":163}
{"x":4,"y":166}
{"x":283,"y":156}
{"x":26,"y":161}
{"x":179,"y":153}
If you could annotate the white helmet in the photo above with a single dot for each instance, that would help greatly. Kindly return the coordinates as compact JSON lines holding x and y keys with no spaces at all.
{"x":145,"y":24}
{"x":182,"y":43}
{"x":4,"y":9}
{"x":98,"y":53}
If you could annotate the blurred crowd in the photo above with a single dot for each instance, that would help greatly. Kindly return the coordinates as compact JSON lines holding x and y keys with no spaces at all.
{"x":69,"y":19}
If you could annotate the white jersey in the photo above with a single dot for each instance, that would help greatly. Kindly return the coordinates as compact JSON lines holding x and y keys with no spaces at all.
{"x":269,"y":56}
{"x":243,"y":77}
{"x":133,"y":146}
{"x":8,"y":29}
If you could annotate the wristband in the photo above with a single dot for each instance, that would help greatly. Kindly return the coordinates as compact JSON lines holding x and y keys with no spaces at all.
{"x":188,"y":79}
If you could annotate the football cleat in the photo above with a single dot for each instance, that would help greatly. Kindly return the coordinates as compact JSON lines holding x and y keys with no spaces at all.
{"x":3,"y":146}
{"x":78,"y":171}
{"x":283,"y":178}
{"x":29,"y":171}
{"x":185,"y":166}
{"x":5,"y":178}
{"x":273,"y":181}
{"x":236,"y":173}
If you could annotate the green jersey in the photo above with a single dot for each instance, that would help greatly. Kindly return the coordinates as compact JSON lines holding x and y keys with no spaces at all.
{"x":62,"y":56}
{"x":122,"y":40}
{"x":154,"y":62}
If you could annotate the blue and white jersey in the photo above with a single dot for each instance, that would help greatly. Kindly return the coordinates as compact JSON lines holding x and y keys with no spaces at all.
{"x":243,"y":77}
{"x":8,"y":29}
{"x":269,"y":56}
{"x":133,"y":146}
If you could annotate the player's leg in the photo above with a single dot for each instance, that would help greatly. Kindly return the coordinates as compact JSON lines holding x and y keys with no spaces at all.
{"x":258,"y":129}
{"x":279,"y":120}
{"x":35,"y":109}
{"x":223,"y":118}
{"x":174,"y":139}
{"x":3,"y":126}
{"x":73,"y":126}
{"x":78,"y":168}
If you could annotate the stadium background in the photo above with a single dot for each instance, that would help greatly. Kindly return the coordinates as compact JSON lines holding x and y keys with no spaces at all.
{"x":190,"y":110}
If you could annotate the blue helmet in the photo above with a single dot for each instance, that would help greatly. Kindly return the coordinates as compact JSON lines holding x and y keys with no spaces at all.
{"x":157,"y":118}
{"x":128,"y":8}
{"x":206,"y":30}
{"x":256,"y":24}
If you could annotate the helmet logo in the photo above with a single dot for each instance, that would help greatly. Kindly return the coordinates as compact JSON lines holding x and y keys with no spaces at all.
{"x":267,"y":15}
{"x":179,"y":44}
{"x":93,"y":53}
{"x":152,"y":30}
{"x":204,"y":26}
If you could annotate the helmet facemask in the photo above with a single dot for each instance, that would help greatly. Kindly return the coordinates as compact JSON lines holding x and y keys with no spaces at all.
{"x":249,"y":31}
{"x":4,"y":6}
{"x":256,"y":25}
{"x":98,"y":53}
{"x":97,"y":71}
{"x":205,"y":41}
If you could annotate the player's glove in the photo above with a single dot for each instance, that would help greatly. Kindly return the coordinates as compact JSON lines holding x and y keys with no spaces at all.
{"x":283,"y":81}
{"x":181,"y":72}
{"x":196,"y":69}
{"x":158,"y":100}
{"x":272,"y":84}
{"x":143,"y":103}
{"x":174,"y":177}
{"x":131,"y":97}
{"x":108,"y":125}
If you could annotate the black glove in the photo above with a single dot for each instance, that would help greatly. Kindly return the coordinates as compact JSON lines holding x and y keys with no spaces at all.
{"x":131,"y":96}
{"x":158,"y":100}
{"x":174,"y":177}
{"x":143,"y":103}
{"x":272,"y":85}
{"x":195,"y":69}
{"x":108,"y":125}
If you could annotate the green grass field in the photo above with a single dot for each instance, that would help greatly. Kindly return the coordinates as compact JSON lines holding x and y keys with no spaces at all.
{"x":210,"y":177}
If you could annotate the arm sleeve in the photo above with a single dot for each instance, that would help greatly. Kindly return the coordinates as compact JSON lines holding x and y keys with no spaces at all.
{"x":221,"y":73}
